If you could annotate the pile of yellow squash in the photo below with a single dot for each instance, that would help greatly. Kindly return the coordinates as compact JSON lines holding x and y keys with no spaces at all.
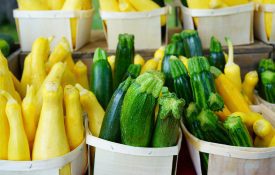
{"x":130,"y":6}
{"x":33,"y":125}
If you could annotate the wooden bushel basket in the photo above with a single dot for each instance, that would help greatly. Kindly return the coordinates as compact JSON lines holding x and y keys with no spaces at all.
{"x":145,"y":26}
{"x":57,"y":23}
{"x":232,"y":160}
{"x":234,"y":22}
{"x":118,"y":159}
{"x":259,"y":23}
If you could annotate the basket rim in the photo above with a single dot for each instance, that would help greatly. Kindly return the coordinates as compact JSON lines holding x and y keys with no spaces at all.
{"x":11,"y":166}
{"x":55,"y":14}
{"x":227,"y":150}
{"x":133,"y":15}
{"x":219,"y":12}
{"x":131,"y":150}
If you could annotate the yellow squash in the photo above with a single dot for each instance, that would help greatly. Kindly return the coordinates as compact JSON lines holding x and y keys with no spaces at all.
{"x":68,"y":77}
{"x":17,"y":85}
{"x":6,"y":82}
{"x":109,"y":5}
{"x":92,"y":107}
{"x":184,"y":60}
{"x":32,"y":5}
{"x":139,"y":60}
{"x":111,"y":60}
{"x":264,"y":133}
{"x":147,"y":5}
{"x":73,"y":120}
{"x":125,"y":6}
{"x":50,"y":139}
{"x":224,"y":113}
{"x":26,"y":78}
{"x":250,"y":81}
{"x":60,"y":53}
{"x":4,"y":130}
{"x":232,"y":97}
{"x":232,"y":71}
{"x":55,"y":4}
{"x":235,"y":2}
{"x":151,"y":64}
{"x":55,"y":75}
{"x":81,"y":74}
{"x":215,"y":4}
{"x":18,"y":147}
{"x":268,"y":19}
{"x":159,"y":54}
{"x":70,"y":62}
{"x":40,"y":53}
{"x":86,"y":4}
{"x":30,"y":114}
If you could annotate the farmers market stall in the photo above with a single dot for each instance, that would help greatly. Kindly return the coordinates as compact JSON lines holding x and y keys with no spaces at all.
{"x":138,"y":96}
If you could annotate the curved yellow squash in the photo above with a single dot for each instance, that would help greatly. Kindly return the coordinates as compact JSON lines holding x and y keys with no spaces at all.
{"x":73,"y":120}
{"x":81,"y":74}
{"x":4,"y":130}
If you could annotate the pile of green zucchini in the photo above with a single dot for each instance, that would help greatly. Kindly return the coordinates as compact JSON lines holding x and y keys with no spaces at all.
{"x":145,"y":110}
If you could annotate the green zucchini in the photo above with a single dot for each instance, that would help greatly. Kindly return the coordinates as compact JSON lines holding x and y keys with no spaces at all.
{"x":184,"y":2}
{"x":216,"y":57}
{"x":137,"y":114}
{"x":110,"y":128}
{"x":161,"y":3}
{"x":133,"y":71}
{"x":267,"y":91}
{"x":125,"y":53}
{"x":266,"y":64}
{"x":101,"y":78}
{"x":203,"y":85}
{"x":172,"y":49}
{"x":167,"y":127}
{"x":176,"y":39}
{"x":8,"y":39}
{"x":213,"y":129}
{"x":191,"y":43}
{"x":193,"y":125}
{"x":238,"y":132}
{"x":181,"y":80}
{"x":4,"y":48}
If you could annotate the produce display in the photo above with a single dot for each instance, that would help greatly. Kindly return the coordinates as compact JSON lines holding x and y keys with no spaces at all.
{"x":127,"y":99}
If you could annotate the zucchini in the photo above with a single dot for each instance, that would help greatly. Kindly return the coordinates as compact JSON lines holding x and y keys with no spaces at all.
{"x":125,"y":54}
{"x":137,"y":113}
{"x":266,"y":64}
{"x":191,"y":43}
{"x":161,"y":3}
{"x":193,"y":126}
{"x":267,"y":91}
{"x":4,"y":48}
{"x":172,"y":49}
{"x":8,"y":39}
{"x":101,"y":78}
{"x":216,"y":57}
{"x":184,"y":3}
{"x":181,"y":80}
{"x":176,"y":39}
{"x":133,"y":71}
{"x":213,"y":129}
{"x":168,"y":120}
{"x":110,"y":129}
{"x":203,"y":85}
{"x":238,"y":133}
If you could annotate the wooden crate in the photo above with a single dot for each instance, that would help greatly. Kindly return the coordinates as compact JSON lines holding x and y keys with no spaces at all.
{"x":224,"y":159}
